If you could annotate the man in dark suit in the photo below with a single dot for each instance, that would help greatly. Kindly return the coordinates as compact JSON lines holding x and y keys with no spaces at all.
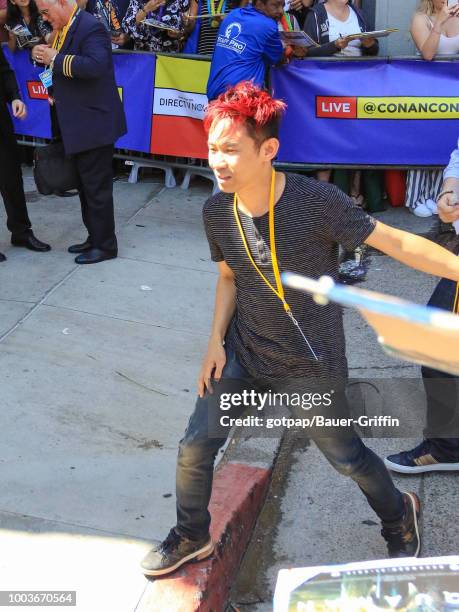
{"x":88,"y":115}
{"x":11,"y":184}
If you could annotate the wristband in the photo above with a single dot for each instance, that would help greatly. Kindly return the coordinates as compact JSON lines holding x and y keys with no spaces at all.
{"x":444,"y":193}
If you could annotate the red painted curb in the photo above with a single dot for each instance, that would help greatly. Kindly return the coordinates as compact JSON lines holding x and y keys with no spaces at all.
{"x":237,"y":495}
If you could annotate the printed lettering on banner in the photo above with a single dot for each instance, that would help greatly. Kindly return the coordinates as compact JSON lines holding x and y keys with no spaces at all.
{"x":336,"y":107}
{"x":36,"y":90}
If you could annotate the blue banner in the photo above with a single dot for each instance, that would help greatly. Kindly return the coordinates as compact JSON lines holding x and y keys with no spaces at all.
{"x":38,"y":122}
{"x":135,"y":78}
{"x":377,"y":112}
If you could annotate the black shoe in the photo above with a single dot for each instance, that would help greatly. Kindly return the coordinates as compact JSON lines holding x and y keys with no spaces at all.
{"x":80,"y":248}
{"x":29,"y":241}
{"x":2,"y":257}
{"x":403,"y":538}
{"x":95,"y":256}
{"x":173,"y":553}
{"x":419,"y":459}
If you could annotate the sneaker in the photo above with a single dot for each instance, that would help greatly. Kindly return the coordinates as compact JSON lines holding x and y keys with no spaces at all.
{"x":403,"y":538}
{"x":432,"y":206}
{"x":418,"y":460}
{"x":421,"y":210}
{"x":171,"y":554}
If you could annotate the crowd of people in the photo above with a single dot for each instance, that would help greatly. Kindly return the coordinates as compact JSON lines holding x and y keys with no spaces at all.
{"x":195,"y":26}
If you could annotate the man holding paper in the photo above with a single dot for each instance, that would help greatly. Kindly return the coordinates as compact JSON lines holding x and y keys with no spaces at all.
{"x":438,"y":451}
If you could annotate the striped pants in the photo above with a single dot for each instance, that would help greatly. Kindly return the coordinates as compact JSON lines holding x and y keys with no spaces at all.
{"x":422,"y":185}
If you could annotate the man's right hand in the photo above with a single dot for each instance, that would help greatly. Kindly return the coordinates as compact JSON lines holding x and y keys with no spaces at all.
{"x":297,"y":5}
{"x":212,"y":366}
{"x":19,"y":109}
{"x":448,"y":208}
{"x":341,"y":43}
{"x":153,"y":5}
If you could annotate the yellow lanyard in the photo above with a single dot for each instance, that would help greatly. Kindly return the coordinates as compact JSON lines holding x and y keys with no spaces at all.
{"x":59,"y":39}
{"x":272,"y":243}
{"x":456,"y":300}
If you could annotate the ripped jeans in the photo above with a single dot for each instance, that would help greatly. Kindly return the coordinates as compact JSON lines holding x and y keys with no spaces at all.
{"x":197,"y":452}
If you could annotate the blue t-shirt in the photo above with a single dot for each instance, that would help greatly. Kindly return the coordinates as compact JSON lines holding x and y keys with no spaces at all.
{"x":247,"y":43}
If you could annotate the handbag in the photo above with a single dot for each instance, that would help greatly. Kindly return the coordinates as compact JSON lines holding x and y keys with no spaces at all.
{"x":54,"y":172}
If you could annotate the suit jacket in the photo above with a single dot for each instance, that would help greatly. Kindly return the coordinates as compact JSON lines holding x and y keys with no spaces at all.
{"x":87,"y":102}
{"x":9,"y":91}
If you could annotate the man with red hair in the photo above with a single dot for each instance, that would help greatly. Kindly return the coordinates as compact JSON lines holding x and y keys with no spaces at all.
{"x":263,"y":338}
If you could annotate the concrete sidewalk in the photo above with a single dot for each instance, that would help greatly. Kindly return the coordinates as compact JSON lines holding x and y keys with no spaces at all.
{"x":98,"y":367}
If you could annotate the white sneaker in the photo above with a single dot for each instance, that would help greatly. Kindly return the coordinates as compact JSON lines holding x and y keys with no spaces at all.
{"x":422,"y":210}
{"x":432,"y":206}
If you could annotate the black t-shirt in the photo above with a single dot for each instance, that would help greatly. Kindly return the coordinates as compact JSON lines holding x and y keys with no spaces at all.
{"x":311,"y":219}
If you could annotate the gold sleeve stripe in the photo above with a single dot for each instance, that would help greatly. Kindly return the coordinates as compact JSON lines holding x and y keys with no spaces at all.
{"x":66,"y":65}
{"x":69,"y":67}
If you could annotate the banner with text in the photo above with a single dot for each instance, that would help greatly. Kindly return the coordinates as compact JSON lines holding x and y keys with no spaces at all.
{"x":381,"y":112}
{"x":134,"y":73}
{"x":179,"y":107}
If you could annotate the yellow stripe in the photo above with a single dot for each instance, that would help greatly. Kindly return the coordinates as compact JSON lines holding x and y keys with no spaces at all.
{"x":404,"y":107}
{"x":69,"y":66}
{"x":64,"y":65}
{"x":456,"y":300}
{"x":182,"y":74}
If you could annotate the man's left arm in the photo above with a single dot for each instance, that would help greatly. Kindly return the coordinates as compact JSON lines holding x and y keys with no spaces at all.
{"x":9,"y":79}
{"x":414,"y":251}
{"x":95,"y":61}
{"x":273,"y":48}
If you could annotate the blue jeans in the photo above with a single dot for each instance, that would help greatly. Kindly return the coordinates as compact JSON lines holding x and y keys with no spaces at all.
{"x":442,"y":391}
{"x":197,"y":452}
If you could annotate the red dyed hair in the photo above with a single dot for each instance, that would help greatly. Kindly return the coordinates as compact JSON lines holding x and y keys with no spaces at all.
{"x":247,"y":105}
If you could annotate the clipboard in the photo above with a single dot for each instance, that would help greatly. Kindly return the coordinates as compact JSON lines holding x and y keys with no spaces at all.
{"x":160,"y":25}
{"x":206,"y":16}
{"x":297,"y":39}
{"x":375,"y":34}
{"x":418,"y":334}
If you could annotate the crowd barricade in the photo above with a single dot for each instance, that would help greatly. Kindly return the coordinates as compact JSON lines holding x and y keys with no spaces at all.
{"x":368,"y":112}
{"x":341,"y":112}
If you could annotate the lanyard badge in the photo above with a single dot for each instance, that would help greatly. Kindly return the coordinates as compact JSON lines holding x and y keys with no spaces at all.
{"x":46,"y":77}
{"x":279,"y":289}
